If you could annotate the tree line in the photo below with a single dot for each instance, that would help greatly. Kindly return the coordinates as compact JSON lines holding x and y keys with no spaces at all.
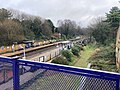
{"x":16,"y":26}
{"x":104,"y":29}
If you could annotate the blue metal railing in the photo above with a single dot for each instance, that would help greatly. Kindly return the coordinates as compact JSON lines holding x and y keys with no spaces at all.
{"x":28,"y":75}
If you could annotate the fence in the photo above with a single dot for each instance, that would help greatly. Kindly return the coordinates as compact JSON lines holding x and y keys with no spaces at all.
{"x":45,"y":56}
{"x":28,"y":75}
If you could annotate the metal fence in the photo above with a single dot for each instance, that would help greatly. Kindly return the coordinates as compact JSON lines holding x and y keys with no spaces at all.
{"x":28,"y":75}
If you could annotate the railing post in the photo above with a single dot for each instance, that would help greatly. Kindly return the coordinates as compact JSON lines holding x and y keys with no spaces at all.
{"x":15,"y":75}
{"x":118,"y":84}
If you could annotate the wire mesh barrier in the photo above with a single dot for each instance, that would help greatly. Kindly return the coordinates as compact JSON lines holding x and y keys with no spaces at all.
{"x":28,"y":75}
{"x":6,"y":75}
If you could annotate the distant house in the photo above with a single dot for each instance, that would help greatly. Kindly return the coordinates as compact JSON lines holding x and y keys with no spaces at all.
{"x":57,"y":35}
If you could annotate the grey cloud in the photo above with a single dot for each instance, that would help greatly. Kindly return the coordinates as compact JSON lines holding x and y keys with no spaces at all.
{"x":79,"y":10}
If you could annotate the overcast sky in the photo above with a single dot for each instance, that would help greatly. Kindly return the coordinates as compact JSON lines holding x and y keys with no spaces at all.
{"x":79,"y":10}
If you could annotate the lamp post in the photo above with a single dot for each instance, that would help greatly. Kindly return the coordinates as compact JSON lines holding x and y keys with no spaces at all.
{"x":24,"y":56}
{"x":15,"y":46}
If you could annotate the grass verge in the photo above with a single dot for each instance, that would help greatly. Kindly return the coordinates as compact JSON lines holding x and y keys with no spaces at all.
{"x":82,"y":60}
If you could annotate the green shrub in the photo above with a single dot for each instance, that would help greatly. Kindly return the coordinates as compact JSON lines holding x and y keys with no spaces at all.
{"x":67,"y":54}
{"x":104,"y":59}
{"x":60,"y":60}
{"x":75,"y":51}
{"x":78,"y":47}
{"x":81,"y":48}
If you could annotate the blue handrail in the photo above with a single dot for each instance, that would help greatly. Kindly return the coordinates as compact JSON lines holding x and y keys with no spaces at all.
{"x":98,"y":74}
